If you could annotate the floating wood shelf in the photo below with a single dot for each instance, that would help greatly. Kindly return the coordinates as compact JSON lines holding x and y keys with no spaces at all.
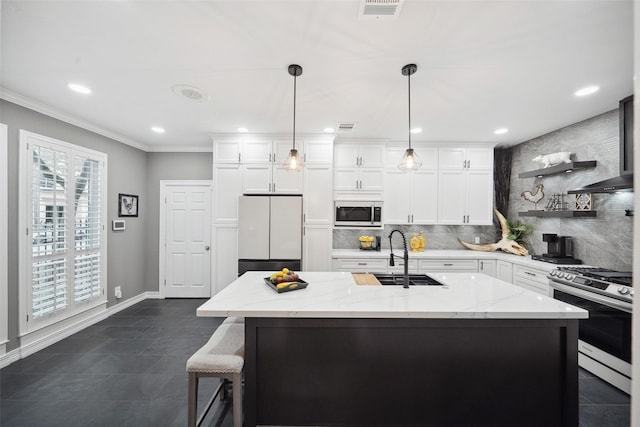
{"x":560,"y":214}
{"x":562,"y":167}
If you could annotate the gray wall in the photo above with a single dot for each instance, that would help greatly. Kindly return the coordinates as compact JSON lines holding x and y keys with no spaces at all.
{"x":132,"y":255}
{"x":604,"y":241}
{"x":167,"y":166}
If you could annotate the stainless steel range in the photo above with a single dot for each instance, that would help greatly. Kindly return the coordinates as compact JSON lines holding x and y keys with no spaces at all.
{"x":604,"y":343}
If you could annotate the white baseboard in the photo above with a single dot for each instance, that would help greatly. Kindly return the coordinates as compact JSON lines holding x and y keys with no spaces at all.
{"x":54,"y":334}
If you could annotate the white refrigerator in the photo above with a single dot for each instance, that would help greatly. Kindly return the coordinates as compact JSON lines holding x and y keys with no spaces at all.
{"x":269,"y":233}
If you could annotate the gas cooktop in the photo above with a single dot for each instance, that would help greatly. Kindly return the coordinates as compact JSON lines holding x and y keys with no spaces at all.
{"x":603,"y":274}
{"x":615,"y":284}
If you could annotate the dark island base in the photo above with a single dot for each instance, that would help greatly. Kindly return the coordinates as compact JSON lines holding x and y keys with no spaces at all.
{"x":411,"y":372}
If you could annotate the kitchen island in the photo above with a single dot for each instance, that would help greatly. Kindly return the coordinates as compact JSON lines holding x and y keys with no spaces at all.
{"x":477,"y":351}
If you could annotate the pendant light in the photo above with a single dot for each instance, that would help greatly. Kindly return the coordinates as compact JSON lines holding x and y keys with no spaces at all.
{"x":410,"y":160}
{"x":294,"y":161}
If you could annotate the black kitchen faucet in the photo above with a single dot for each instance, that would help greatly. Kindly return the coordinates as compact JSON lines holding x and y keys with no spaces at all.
{"x":405,"y":281}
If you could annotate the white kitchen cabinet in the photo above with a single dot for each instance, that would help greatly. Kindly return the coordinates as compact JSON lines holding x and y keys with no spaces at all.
{"x":465,"y":158}
{"x":262,"y":168}
{"x":504,"y":271}
{"x":227,"y":181}
{"x":225,"y":256}
{"x":227,"y":150}
{"x":318,"y":151}
{"x":465,"y":196}
{"x":452,"y":265}
{"x":531,"y":278}
{"x":358,"y":167}
{"x":410,"y":197}
{"x":317,"y":196}
{"x":360,"y":265}
{"x":487,"y":266}
{"x":398,"y":260}
{"x":317,"y":241}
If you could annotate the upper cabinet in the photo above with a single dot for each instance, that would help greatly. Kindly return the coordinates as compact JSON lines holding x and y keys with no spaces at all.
{"x":227,"y":151}
{"x":262,"y":170}
{"x":465,"y":186}
{"x":358,"y":167}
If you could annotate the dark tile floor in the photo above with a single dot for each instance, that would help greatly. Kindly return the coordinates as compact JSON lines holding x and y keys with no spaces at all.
{"x":129,"y":370}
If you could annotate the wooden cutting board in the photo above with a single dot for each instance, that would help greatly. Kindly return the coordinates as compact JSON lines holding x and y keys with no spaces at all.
{"x":365,"y":279}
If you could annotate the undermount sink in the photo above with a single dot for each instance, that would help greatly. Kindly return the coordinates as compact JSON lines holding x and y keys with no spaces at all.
{"x":414,"y":279}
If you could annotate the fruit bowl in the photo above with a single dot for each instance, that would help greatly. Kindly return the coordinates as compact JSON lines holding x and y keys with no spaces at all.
{"x":286,"y":286}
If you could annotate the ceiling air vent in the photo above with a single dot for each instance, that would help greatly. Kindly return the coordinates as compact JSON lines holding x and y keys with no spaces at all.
{"x":380,"y":8}
{"x":346,"y":127}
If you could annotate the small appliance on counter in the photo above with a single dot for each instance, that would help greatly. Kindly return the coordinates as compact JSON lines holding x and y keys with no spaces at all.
{"x":370,"y":243}
{"x":560,"y":250}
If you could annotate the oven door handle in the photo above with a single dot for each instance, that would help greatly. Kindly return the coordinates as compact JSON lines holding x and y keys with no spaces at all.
{"x":590,"y":296}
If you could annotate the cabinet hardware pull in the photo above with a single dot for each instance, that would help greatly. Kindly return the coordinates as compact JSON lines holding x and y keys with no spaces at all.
{"x":408,"y":218}
{"x":269,"y":157}
{"x":529,"y":273}
{"x":468,"y":164}
{"x":274,"y":187}
{"x":412,"y":218}
{"x":362,"y":263}
{"x":448,"y":265}
{"x":481,"y":265}
{"x":239,"y":157}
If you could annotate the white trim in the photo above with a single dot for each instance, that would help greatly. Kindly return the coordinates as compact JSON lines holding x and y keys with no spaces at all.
{"x":164,"y":185}
{"x":56,"y":114}
{"x":64,"y":329}
{"x":4,"y":238}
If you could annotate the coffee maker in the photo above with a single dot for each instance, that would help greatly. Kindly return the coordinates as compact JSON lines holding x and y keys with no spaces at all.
{"x":559,"y":250}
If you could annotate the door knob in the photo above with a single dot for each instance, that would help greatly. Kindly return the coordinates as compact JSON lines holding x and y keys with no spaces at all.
{"x":206,"y":248}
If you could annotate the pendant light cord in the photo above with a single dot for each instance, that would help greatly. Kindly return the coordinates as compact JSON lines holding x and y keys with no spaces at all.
{"x":295,"y":78}
{"x":409,"y":80}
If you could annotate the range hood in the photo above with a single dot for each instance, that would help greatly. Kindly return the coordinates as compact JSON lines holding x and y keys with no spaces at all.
{"x":624,"y":182}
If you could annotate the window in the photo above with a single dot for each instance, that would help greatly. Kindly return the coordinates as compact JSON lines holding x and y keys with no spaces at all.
{"x":64,"y":210}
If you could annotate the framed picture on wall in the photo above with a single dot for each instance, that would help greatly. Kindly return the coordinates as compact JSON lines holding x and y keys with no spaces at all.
{"x":127,"y":205}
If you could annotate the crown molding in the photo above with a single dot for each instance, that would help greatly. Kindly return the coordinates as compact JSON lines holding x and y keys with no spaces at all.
{"x":34,"y":105}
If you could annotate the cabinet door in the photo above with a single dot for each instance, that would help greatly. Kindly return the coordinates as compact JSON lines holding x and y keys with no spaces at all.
{"x":227,"y":151}
{"x":318,"y":196}
{"x":286,"y":181}
{"x":318,"y":152}
{"x":345,"y":179}
{"x":487,"y":266}
{"x":345,"y":155}
{"x":425,"y":196}
{"x":371,"y":156}
{"x":392,"y":156}
{"x":256,"y":178}
{"x":317,"y":243}
{"x":225,"y":256}
{"x":451,"y":158}
{"x":479,"y":158}
{"x":371,"y":179}
{"x":281,"y":148}
{"x":397,"y":203}
{"x":479,"y":191}
{"x":451,"y":197}
{"x":256,"y":151}
{"x":227,"y":181}
{"x":504,"y":271}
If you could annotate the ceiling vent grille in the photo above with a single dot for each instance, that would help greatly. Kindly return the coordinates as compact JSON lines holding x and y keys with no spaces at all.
{"x":346,"y":127}
{"x":380,"y":8}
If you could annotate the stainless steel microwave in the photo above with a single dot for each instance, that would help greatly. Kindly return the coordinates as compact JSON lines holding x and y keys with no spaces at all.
{"x":358,"y":213}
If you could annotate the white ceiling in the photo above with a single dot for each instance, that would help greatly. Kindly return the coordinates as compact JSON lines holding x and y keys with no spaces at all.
{"x":481,"y":65}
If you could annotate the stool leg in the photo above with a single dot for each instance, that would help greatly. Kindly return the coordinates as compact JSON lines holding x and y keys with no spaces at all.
{"x":237,"y":400}
{"x":192,"y":404}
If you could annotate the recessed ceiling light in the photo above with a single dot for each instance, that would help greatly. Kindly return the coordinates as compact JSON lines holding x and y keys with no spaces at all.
{"x":243,"y":130}
{"x":157,"y":129}
{"x":329,"y":130}
{"x":587,"y":90}
{"x":416,"y":130}
{"x":501,"y":131}
{"x":191,"y":93}
{"x":79,"y":88}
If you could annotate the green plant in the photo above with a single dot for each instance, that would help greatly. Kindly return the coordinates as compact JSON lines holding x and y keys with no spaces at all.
{"x":519,"y":231}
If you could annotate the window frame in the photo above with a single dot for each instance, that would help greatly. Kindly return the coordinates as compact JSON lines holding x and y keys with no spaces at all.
{"x":28,"y":140}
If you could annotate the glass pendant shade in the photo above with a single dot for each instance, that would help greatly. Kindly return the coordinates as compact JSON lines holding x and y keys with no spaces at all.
{"x":294,"y":161}
{"x":409,"y":161}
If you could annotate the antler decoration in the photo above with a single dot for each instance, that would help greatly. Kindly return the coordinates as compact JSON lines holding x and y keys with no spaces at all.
{"x":505,"y":244}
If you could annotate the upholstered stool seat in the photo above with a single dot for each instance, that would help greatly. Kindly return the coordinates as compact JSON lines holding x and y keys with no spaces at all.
{"x":222,"y":357}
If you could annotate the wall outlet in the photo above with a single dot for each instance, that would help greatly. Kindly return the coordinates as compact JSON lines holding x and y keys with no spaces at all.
{"x":118,"y":292}
{"x":476,"y":240}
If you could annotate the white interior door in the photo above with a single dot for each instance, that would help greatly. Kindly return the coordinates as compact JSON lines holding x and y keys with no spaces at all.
{"x":188,"y":241}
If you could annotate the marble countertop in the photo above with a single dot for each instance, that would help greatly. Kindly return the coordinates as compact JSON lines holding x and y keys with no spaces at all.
{"x":446,"y":254}
{"x":335,"y":295}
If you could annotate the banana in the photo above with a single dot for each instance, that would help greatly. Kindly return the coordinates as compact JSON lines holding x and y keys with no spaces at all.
{"x":285,"y":284}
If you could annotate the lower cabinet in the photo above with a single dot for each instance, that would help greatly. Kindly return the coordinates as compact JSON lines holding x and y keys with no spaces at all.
{"x":361,"y":265}
{"x":399,"y":265}
{"x":531,"y":278}
{"x":453,"y":265}
{"x":504,"y":271}
{"x":487,"y":266}
{"x":316,"y":244}
{"x":225,"y":256}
